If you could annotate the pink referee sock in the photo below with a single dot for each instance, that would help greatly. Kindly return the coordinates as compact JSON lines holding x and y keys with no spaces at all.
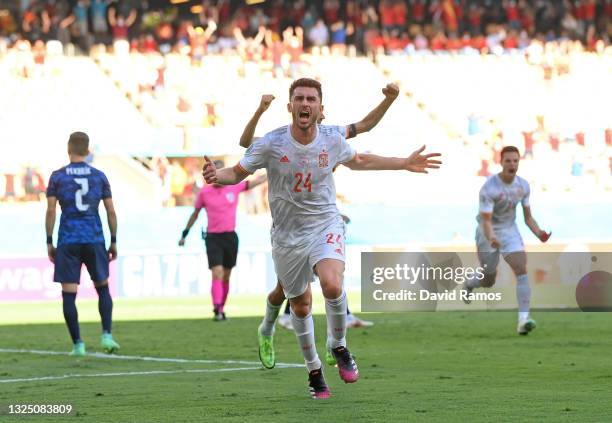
{"x":216,"y":290}
{"x":225,"y":292}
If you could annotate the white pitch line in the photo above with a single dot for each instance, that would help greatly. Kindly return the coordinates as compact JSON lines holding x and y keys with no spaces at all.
{"x":153,"y":372}
{"x":144,"y":358}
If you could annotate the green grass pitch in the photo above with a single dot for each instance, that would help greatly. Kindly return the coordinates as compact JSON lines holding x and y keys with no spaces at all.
{"x":433,"y":367}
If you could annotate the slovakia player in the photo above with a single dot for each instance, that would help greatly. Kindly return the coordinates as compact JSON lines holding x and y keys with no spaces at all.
{"x":79,"y":188}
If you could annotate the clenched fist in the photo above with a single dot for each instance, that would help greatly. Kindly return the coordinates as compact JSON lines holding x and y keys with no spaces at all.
{"x":265,"y":102}
{"x":209,"y":171}
{"x":391,"y":91}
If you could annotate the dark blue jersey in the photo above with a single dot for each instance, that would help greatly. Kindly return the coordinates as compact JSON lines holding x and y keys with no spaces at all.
{"x":79,"y":188}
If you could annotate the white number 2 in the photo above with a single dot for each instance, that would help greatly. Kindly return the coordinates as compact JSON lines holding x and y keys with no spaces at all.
{"x":78,"y":196}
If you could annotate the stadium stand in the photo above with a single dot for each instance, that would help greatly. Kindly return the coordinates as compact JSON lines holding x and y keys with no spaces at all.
{"x":181,"y":83}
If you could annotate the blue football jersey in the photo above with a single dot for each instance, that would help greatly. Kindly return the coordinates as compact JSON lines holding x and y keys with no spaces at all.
{"x":79,"y":188}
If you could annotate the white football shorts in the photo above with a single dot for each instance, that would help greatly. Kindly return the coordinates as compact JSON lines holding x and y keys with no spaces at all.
{"x":295,"y":266}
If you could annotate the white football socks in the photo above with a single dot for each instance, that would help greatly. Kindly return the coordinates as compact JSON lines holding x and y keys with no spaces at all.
{"x":336,"y":321}
{"x":304,"y":331}
{"x":523,"y":296}
{"x":269,"y":320}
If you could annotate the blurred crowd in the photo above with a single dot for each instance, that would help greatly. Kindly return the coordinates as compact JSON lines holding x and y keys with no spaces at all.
{"x":365,"y":25}
{"x":482,"y":74}
{"x":541,"y":103}
{"x":22,"y":184}
{"x":181,"y":180}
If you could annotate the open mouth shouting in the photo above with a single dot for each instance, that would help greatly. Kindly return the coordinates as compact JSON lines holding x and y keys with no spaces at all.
{"x":304,"y":117}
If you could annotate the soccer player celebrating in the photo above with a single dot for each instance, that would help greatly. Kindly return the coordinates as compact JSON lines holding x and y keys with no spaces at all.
{"x":308,"y":232}
{"x":276,"y":297}
{"x":391,"y":91}
{"x":497,"y":233}
{"x":221,"y":239}
{"x":79,"y":188}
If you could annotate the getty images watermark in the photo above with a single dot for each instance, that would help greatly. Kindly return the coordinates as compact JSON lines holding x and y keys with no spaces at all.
{"x":423,"y":277}
{"x":429,"y":281}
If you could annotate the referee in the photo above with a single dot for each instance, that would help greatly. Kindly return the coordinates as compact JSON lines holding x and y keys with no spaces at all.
{"x":220,"y":203}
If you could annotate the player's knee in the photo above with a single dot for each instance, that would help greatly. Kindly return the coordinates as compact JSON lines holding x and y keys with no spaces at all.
{"x":217,"y":273}
{"x":71,"y":288}
{"x":226,"y":275}
{"x":101,"y":284}
{"x":520,"y":269}
{"x":300,"y":309}
{"x":332,"y":291}
{"x":489,"y":280}
{"x":331,"y":283}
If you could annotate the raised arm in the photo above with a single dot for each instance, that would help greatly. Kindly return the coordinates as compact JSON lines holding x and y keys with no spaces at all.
{"x":249,"y":130}
{"x":533,"y":225}
{"x":260,"y":35}
{"x":112,"y":227}
{"x":112,"y":16}
{"x":239,"y":36}
{"x":131,"y":18}
{"x":287,"y":35}
{"x":46,"y":21}
{"x":49,"y":224}
{"x":416,"y":162}
{"x":67,"y":21}
{"x":225,"y":176}
{"x":268,"y":38}
{"x":390,"y":92}
{"x":210,"y":29}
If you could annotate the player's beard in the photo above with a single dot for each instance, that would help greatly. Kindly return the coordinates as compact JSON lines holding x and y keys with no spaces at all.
{"x":306,"y":125}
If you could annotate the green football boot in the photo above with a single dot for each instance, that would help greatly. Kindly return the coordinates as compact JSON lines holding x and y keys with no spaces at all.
{"x":266,"y":349}
{"x":78,"y":349}
{"x":108,"y":344}
{"x":526,"y":326}
{"x":329,"y":358}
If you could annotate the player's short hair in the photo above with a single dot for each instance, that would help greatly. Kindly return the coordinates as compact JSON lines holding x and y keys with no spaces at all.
{"x":509,"y":149}
{"x":78,"y":144}
{"x":306,"y":82}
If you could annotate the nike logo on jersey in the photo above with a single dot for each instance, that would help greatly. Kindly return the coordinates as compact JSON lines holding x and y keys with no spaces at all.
{"x":284,"y":159}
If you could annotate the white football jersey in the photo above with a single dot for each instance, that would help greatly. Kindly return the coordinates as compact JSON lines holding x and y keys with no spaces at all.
{"x":501,"y":199}
{"x":301,"y":188}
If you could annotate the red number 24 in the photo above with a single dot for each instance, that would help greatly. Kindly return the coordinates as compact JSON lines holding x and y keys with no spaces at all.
{"x":330,"y":239}
{"x":307,"y":183}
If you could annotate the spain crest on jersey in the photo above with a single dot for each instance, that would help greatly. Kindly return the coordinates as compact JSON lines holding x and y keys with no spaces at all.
{"x":323,"y":158}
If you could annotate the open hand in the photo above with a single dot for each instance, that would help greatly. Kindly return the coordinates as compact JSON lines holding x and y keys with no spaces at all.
{"x":419,"y":163}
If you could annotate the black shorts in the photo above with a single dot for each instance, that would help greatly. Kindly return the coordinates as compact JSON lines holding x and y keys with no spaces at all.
{"x":221,"y":249}
{"x":70,"y":257}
